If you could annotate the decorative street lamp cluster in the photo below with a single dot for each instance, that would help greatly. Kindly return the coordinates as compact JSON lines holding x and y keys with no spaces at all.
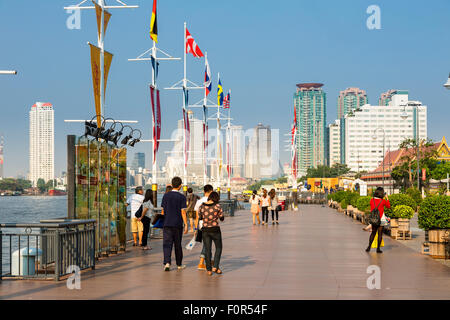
{"x":111,"y":134}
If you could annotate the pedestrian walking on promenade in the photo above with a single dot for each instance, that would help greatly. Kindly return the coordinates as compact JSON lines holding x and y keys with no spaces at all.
{"x":146,"y":218}
{"x":191,"y":202}
{"x":207,"y":189}
{"x":255,"y":201}
{"x":210,"y":213}
{"x":377,"y":205}
{"x":168,"y":188}
{"x":265,"y":204}
{"x":173,"y":206}
{"x":274,"y":205}
{"x":135,"y":201}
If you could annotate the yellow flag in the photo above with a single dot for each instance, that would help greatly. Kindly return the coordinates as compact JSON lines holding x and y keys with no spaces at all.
{"x":106,"y":65}
{"x":107,"y":16}
{"x":95,"y":65}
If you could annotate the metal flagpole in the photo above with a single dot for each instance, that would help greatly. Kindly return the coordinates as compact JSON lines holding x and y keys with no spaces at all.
{"x":218,"y":143}
{"x":183,"y":85}
{"x":205,"y":101}
{"x":100,"y":40}
{"x":229,"y":147}
{"x":153,"y":57}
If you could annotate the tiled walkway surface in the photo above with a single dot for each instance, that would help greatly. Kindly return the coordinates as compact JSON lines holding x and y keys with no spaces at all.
{"x":315,"y":253}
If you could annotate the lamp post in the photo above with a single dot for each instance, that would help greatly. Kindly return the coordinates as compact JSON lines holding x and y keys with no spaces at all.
{"x":374,"y":137}
{"x":404,"y":116}
{"x":8,"y":72}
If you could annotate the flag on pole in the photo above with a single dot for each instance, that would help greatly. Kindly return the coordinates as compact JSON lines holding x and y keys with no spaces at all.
{"x":226,"y":101}
{"x":191,"y":46}
{"x":219,"y":93}
{"x":106,"y":17}
{"x":154,"y":24}
{"x":208,"y":83}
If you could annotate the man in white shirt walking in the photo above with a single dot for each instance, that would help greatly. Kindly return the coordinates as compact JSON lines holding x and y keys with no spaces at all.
{"x":135,"y":201}
{"x":207,"y":189}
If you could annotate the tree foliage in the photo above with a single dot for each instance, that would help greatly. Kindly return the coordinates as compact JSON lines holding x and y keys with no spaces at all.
{"x":9,"y":184}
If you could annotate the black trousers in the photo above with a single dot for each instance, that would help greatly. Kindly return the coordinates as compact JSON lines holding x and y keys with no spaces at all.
{"x":209,"y":235}
{"x":274,"y":212}
{"x":172,"y":236}
{"x":146,"y":223}
{"x":265,"y":214}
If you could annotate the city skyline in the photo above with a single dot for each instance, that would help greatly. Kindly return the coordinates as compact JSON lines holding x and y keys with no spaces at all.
{"x":383,"y":69}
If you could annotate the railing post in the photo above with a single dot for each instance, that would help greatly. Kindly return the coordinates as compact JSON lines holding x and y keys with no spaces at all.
{"x":57,"y":255}
{"x":93,"y":245}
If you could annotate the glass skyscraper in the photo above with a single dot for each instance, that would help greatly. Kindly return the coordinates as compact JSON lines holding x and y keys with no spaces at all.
{"x":310,"y":105}
{"x":138,"y":161}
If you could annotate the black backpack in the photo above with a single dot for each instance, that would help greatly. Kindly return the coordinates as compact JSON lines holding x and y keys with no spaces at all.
{"x":374,"y":217}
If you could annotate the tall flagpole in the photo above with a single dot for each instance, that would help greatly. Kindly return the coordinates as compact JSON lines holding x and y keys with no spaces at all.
{"x":101,"y":41}
{"x":184,"y":111}
{"x":205,"y":101}
{"x":229,"y":144}
{"x":218,"y":142}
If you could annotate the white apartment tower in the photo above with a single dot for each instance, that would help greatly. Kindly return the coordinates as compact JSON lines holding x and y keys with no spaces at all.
{"x":334,"y":143}
{"x":362,"y":130}
{"x":42,"y":145}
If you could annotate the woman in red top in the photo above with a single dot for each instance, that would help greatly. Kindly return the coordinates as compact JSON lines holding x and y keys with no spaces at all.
{"x":380,"y":203}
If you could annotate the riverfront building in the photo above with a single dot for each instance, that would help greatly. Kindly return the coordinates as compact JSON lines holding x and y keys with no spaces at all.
{"x":350,"y":99}
{"x":42,"y":137}
{"x":310,"y":105}
{"x":258,"y":154}
{"x":362,"y":130}
{"x":334,"y":143}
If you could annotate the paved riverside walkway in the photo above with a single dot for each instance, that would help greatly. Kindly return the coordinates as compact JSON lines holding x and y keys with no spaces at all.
{"x":315,"y":253}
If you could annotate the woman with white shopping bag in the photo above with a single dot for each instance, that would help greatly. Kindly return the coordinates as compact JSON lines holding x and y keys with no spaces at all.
{"x":377,"y":205}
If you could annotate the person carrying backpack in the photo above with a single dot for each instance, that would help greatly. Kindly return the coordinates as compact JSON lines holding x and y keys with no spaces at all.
{"x":376,"y":217}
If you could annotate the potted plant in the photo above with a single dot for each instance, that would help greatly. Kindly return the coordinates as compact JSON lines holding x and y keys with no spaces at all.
{"x":434,"y":217}
{"x":397,"y":200}
{"x":403,"y":213}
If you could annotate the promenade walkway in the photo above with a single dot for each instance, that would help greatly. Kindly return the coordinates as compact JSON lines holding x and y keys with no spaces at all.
{"x":315,"y":253}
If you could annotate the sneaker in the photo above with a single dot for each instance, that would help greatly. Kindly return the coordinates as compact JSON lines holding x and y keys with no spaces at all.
{"x":167,"y":267}
{"x":183,"y":266}
{"x":201,"y":267}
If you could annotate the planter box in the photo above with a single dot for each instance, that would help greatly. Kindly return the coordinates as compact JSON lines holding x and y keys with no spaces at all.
{"x":394,"y":223}
{"x":394,"y":232}
{"x":403,"y":224}
{"x":438,"y":235}
{"x":439,"y":250}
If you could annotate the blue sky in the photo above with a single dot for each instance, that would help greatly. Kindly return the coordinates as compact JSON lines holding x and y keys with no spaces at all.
{"x":261,"y":49}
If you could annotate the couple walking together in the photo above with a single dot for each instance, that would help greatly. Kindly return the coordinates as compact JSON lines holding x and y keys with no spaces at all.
{"x":208,"y":211}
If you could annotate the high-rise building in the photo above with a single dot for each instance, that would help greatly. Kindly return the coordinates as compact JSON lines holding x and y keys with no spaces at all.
{"x":350,"y":99}
{"x":334,"y":138}
{"x":258,"y":154}
{"x":138,"y":161}
{"x":310,"y":105}
{"x":1,"y":157}
{"x":237,"y":151}
{"x":42,"y":137}
{"x":362,"y":134}
{"x":175,"y":162}
{"x":386,"y":97}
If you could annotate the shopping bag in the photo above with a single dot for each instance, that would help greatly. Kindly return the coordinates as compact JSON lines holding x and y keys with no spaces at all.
{"x":375,"y":242}
{"x":191,"y":244}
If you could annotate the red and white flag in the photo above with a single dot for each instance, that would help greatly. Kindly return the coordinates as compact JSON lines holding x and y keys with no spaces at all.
{"x":191,"y":46}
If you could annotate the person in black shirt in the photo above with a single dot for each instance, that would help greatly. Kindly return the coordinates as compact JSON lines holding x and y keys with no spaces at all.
{"x":174,"y":211}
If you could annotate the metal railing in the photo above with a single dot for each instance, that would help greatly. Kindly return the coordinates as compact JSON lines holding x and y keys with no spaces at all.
{"x":46,"y":250}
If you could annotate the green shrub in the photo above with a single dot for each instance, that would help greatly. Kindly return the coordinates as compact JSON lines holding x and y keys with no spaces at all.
{"x":403,"y":212}
{"x":434,"y":213}
{"x":352,"y":198}
{"x":415,"y":194}
{"x":338,"y":196}
{"x":344,"y":204}
{"x":330,"y":197}
{"x":400,"y":199}
{"x":363,"y":204}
